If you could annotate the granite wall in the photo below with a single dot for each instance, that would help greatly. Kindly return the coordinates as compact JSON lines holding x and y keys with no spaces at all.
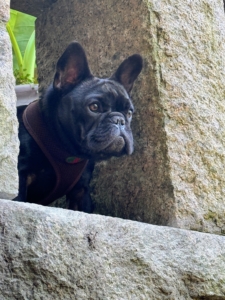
{"x":9,"y":144}
{"x":175,"y":176}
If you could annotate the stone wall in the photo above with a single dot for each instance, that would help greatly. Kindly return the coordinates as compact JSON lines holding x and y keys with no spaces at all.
{"x":175,"y":176}
{"x":50,"y":253}
{"x":8,"y":121}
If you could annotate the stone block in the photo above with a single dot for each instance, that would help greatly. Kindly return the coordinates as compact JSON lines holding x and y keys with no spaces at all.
{"x":8,"y":122}
{"x":176,"y":175}
{"x":51,"y":253}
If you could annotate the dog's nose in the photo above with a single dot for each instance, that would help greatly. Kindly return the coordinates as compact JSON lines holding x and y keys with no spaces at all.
{"x":118,"y":120}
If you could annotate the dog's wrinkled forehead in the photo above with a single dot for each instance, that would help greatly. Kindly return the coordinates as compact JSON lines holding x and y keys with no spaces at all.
{"x":113,"y":88}
{"x":107,"y":91}
{"x":110,"y":88}
{"x":114,"y":91}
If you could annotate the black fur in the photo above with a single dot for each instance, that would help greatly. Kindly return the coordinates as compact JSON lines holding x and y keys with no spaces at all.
{"x":90,"y":116}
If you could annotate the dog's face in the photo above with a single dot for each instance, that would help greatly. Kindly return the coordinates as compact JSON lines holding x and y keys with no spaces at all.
{"x":94,"y":115}
{"x":99,"y":113}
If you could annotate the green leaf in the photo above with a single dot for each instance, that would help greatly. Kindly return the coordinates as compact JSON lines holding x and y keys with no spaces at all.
{"x":22,"y":26}
{"x":15,"y":47}
{"x":30,"y":56}
{"x":21,"y":29}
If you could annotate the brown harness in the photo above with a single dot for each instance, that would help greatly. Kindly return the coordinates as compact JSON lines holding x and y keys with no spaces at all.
{"x":68,"y":169}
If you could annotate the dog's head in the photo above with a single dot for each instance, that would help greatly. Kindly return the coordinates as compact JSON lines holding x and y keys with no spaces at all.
{"x":93,"y":114}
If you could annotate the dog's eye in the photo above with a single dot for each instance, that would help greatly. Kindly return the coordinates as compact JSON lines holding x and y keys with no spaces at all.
{"x":94,"y":107}
{"x":129,"y":114}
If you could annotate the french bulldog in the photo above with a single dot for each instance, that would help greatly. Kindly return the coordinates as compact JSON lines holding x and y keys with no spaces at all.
{"x":84,"y":119}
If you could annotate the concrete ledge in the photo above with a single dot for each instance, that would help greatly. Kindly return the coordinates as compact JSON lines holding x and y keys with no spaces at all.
{"x":51,"y":253}
{"x":26,"y":93}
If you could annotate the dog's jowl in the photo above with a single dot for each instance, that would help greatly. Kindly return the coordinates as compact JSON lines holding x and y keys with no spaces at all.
{"x":80,"y":119}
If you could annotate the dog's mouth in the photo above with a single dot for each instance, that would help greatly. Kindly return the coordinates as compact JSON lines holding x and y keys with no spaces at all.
{"x":119,"y":146}
{"x":116,"y":146}
{"x":113,"y":144}
{"x":108,"y":139}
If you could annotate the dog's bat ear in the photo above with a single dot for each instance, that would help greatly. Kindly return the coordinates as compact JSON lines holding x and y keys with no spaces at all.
{"x":72,"y":67}
{"x":128,"y":71}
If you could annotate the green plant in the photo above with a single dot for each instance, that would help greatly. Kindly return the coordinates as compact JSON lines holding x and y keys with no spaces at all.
{"x":21,"y":29}
{"x":23,"y":77}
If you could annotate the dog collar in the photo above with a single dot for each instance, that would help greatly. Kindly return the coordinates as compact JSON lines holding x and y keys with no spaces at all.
{"x":73,"y":160}
{"x":68,"y":169}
